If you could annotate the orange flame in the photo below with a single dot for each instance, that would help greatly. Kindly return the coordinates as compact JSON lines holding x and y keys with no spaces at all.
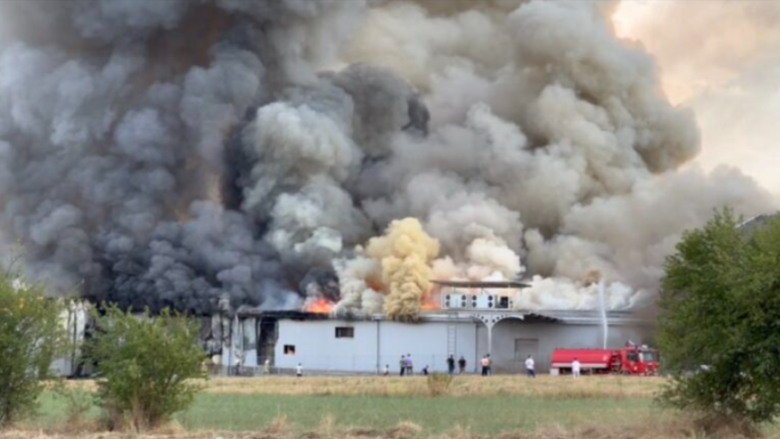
{"x":430,"y":301}
{"x":430,"y":305}
{"x":321,"y":306}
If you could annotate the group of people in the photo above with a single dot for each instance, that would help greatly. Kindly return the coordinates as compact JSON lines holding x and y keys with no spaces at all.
{"x":406,"y":366}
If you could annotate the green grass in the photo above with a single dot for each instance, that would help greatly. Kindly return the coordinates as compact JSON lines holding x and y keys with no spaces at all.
{"x":489,"y":415}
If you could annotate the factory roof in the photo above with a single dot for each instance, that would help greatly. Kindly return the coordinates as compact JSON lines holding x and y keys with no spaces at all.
{"x":573,"y":317}
{"x":481,"y":284}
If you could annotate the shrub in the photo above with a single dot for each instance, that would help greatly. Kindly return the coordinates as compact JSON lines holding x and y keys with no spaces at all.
{"x":30,"y":339}
{"x":145,"y":366}
{"x":719,"y":329}
{"x":78,"y":402}
{"x":439,"y":383}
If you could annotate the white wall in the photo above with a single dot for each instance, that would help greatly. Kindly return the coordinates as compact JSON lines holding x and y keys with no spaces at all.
{"x":317,"y":348}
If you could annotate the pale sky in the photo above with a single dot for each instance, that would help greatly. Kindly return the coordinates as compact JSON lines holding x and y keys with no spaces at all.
{"x":722,"y":58}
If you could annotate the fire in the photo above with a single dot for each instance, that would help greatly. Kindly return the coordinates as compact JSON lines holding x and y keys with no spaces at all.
{"x":430,"y":302}
{"x":321,"y":306}
{"x":430,"y":305}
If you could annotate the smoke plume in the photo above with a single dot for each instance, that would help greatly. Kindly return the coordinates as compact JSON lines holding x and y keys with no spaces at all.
{"x":196,"y":153}
{"x":405,"y":254}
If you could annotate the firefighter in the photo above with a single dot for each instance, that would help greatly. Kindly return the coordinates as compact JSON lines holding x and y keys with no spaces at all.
{"x":451,"y":365}
{"x":529,"y":367}
{"x":402,"y":364}
{"x":462,"y":365}
{"x":575,"y":368}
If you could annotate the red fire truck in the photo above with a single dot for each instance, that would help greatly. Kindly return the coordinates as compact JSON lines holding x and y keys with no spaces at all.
{"x":630,"y":360}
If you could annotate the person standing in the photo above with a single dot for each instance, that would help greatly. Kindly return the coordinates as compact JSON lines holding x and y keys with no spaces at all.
{"x":575,"y":368}
{"x":451,"y":365}
{"x":402,"y":364}
{"x":386,"y":370}
{"x":529,"y":367}
{"x":299,"y":370}
{"x":485,"y":365}
{"x":267,"y":366}
{"x":409,"y":365}
{"x":462,"y":365}
{"x":239,"y":357}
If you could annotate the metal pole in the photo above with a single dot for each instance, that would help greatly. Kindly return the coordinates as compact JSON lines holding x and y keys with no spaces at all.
{"x":490,"y":338}
{"x":378,"y":350}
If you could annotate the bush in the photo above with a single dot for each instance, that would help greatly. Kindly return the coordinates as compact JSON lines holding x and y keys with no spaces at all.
{"x":30,"y":339}
{"x":145,"y":366}
{"x":719,"y":331}
{"x":439,"y":383}
{"x":78,"y":402}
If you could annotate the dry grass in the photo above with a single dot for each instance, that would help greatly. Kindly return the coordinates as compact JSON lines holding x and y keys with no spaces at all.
{"x":544,"y":386}
{"x":541,"y":387}
{"x":677,"y":428}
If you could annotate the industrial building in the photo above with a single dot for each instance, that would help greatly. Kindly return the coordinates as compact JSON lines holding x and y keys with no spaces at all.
{"x":474,"y":319}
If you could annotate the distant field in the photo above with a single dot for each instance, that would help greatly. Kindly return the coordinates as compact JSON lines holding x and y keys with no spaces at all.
{"x":377,"y":406}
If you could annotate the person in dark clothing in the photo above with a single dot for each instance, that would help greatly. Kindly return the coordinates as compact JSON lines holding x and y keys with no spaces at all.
{"x":425,"y":370}
{"x":403,"y":364}
{"x":462,"y":364}
{"x":451,"y":365}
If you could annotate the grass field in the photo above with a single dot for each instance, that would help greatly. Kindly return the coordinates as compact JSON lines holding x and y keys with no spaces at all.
{"x":328,"y":407}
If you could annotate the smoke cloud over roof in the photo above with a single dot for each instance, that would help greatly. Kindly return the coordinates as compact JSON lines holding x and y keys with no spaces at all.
{"x":200,"y":154}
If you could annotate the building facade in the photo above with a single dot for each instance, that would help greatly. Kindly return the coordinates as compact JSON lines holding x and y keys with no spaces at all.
{"x":330,"y":345}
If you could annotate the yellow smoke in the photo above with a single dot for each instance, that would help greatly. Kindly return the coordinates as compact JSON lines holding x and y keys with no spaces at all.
{"x":405,"y":253}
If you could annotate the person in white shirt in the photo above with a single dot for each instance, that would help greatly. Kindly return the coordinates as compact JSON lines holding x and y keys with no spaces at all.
{"x":386,"y":370}
{"x":299,"y":370}
{"x":529,"y":367}
{"x":575,"y":368}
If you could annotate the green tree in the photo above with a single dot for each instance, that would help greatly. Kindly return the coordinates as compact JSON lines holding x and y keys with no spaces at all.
{"x":31,"y":337}
{"x":719,"y":330}
{"x":146,"y":365}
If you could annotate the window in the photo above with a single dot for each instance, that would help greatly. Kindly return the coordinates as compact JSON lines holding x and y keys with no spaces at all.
{"x":345,"y":332}
{"x":289,"y":349}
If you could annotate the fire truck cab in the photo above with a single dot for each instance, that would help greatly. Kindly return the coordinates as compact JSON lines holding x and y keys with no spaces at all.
{"x":631,"y":360}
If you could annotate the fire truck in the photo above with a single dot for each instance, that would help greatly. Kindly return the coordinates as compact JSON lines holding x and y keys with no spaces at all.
{"x":630,"y":360}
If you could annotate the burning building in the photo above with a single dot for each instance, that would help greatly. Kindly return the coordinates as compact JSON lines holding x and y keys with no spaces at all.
{"x":215,"y":156}
{"x":472,"y":319}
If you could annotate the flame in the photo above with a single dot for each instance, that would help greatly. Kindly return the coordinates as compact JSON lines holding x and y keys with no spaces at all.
{"x":430,"y":305}
{"x":430,"y":300}
{"x":321,"y":306}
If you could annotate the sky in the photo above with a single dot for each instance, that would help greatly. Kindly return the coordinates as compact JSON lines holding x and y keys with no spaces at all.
{"x":722,"y":58}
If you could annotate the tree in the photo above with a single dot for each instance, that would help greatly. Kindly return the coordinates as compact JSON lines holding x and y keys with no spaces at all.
{"x":146,"y":365}
{"x":719,"y":330}
{"x":31,"y":337}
